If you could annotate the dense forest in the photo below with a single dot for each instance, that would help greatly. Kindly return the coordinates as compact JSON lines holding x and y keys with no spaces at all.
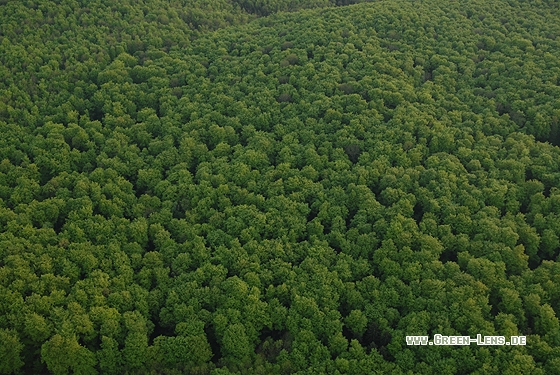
{"x":278,"y":186}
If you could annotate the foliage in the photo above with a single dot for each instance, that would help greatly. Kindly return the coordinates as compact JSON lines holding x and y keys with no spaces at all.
{"x":255,"y":187}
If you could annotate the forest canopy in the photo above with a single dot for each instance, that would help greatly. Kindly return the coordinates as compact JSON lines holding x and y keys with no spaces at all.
{"x":277,"y":187}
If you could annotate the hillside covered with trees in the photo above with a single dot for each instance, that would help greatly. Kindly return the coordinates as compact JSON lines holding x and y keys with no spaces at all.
{"x":278,"y":186}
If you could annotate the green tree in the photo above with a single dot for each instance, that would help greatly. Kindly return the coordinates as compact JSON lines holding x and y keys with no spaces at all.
{"x":109,"y":356}
{"x":10,"y":352}
{"x":62,"y":354}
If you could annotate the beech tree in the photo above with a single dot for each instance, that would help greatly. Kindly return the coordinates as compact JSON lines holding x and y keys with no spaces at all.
{"x":280,"y":186}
